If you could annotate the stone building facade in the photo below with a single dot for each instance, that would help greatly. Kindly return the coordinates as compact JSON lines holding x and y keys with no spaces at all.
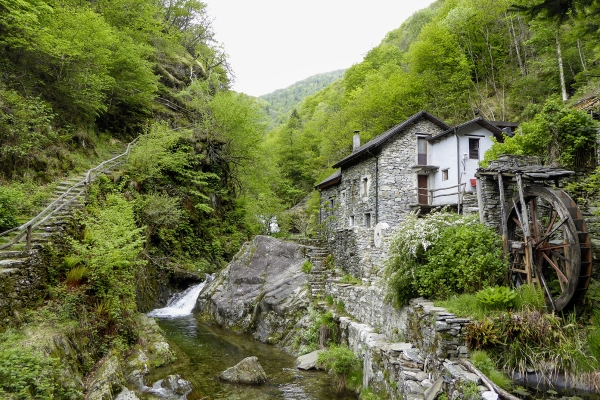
{"x":382,"y":181}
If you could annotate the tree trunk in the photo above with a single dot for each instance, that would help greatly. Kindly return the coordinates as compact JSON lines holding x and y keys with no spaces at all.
{"x":581,"y":56}
{"x":517,"y":46}
{"x":561,"y":72}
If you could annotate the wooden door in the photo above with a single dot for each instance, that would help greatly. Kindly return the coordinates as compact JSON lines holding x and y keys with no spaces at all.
{"x":422,"y":190}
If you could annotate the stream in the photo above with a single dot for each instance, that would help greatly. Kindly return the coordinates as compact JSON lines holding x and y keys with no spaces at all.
{"x":204,"y":351}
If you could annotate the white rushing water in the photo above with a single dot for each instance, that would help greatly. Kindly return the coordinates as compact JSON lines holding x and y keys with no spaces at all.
{"x":180,"y":304}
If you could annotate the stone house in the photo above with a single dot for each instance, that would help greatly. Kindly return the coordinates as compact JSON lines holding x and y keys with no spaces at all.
{"x":420,"y":163}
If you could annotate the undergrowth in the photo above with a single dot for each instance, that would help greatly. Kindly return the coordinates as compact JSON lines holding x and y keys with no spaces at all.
{"x":309,"y":339}
{"x":344,"y":367}
{"x":531,"y":339}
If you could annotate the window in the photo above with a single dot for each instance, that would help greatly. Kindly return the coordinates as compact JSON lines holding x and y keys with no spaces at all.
{"x":445,"y":174}
{"x":331,"y":203}
{"x":365,"y":186}
{"x":351,"y":221}
{"x":474,"y":149}
{"x":368,"y":220}
{"x":422,"y":151}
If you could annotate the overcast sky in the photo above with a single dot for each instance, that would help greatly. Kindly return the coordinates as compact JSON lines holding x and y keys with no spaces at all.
{"x":274,"y":43}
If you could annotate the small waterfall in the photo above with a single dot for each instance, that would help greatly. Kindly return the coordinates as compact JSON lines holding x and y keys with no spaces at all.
{"x":181,"y":304}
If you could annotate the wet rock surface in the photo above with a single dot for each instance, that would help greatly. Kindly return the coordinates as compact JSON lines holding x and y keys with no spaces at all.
{"x":248,"y":371}
{"x":263,"y":290}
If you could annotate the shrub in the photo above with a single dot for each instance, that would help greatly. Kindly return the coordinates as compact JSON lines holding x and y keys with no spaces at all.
{"x":307,"y":267}
{"x":497,"y":297}
{"x":8,"y":211}
{"x":309,"y":338}
{"x":27,"y":373}
{"x":443,"y":254}
{"x":343,"y":365}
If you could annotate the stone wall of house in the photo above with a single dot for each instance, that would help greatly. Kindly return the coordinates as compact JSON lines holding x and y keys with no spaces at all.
{"x":380,"y":189}
{"x":397,"y":179}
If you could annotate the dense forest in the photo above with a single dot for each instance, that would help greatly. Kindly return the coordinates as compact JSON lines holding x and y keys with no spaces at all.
{"x":280,"y":103}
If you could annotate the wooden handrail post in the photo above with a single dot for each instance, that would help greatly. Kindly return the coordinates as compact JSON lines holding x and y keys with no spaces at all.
{"x":28,"y":242}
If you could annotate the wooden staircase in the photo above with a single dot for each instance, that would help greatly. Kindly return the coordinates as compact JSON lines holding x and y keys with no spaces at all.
{"x":19,"y":244}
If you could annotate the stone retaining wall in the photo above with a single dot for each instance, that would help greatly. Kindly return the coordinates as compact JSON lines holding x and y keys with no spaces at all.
{"x":22,"y":284}
{"x":421,"y":366}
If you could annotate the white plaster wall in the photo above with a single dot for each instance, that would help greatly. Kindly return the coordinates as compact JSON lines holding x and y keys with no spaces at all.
{"x":444,"y":155}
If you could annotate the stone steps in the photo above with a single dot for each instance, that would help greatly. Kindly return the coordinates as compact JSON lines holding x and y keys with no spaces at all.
{"x":318,"y":274}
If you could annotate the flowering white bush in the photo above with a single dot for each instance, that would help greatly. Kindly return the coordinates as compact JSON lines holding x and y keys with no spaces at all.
{"x":415,"y":235}
{"x":442,"y":254}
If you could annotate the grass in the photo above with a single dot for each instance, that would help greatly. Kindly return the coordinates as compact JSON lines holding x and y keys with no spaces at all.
{"x":484,"y":363}
{"x":351,"y":279}
{"x":466,"y":305}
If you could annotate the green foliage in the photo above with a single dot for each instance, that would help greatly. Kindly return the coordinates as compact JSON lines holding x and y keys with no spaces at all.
{"x":497,"y":297}
{"x":556,"y":134}
{"x":8,"y":210}
{"x":110,"y":256}
{"x":328,"y":262}
{"x":28,"y":373}
{"x":469,"y":390}
{"x":307,"y":267}
{"x":482,"y":361}
{"x":531,"y":339}
{"x":343,"y":365}
{"x":443,"y":254}
{"x":309,"y":338}
{"x":351,"y":279}
{"x":526,"y":298}
{"x":281,"y":102}
{"x":530,"y":297}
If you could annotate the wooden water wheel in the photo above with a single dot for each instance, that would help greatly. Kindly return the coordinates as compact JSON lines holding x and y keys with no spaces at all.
{"x":548,"y":244}
{"x":545,"y":238}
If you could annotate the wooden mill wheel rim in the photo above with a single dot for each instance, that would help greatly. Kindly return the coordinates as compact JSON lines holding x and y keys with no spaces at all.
{"x":552,"y":216}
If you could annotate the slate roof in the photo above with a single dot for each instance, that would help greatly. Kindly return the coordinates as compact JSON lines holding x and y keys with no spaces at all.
{"x":378,"y":141}
{"x":330,"y":180}
{"x":480,"y":121}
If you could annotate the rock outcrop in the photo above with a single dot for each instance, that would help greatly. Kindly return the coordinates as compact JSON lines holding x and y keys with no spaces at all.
{"x":263,"y":290}
{"x":248,"y":371}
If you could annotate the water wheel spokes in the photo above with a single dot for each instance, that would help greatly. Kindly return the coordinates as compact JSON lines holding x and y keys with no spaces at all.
{"x":547,"y":239}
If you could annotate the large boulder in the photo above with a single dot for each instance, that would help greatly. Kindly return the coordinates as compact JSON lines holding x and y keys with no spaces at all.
{"x":248,"y":371}
{"x":263,"y":290}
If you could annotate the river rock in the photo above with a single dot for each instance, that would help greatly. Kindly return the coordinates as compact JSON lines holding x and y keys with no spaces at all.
{"x":263,"y":290}
{"x":126,"y":394}
{"x":247,"y":371}
{"x":177,"y":385}
{"x":308,"y":361}
{"x":105,"y":380}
